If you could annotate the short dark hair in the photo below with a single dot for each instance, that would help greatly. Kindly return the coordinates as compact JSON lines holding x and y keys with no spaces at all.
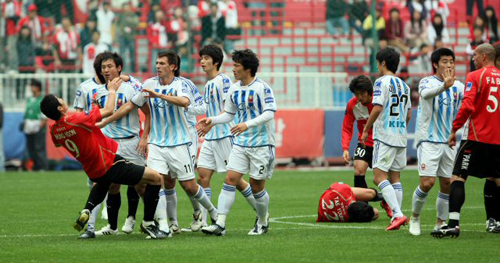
{"x":36,"y":83}
{"x":248,"y":59}
{"x":106,"y":55}
{"x":170,"y":55}
{"x":360,"y":212}
{"x":391,"y":58}
{"x":98,"y":69}
{"x":438,"y":53}
{"x":361,"y":83}
{"x":49,"y":105}
{"x":214,"y":52}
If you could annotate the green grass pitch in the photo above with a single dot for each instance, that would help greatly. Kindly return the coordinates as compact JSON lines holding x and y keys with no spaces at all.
{"x":37,"y":211}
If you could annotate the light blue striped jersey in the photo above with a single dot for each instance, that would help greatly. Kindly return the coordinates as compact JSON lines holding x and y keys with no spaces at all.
{"x":197,"y":106}
{"x":393,"y":95}
{"x":169,"y":125}
{"x":435,"y":115}
{"x":249,"y":102}
{"x":214,"y":96}
{"x":85,"y":93}
{"x":129,"y":124}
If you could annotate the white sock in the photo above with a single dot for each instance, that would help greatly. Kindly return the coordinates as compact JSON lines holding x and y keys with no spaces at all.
{"x":418,"y":200}
{"x":398,"y":188}
{"x":203,"y":200}
{"x":93,"y":218}
{"x":247,"y":193}
{"x":208,"y":192}
{"x":226,"y":200}
{"x":194,"y":203}
{"x":442,"y":206}
{"x":161,"y":209}
{"x":390,"y":197}
{"x":171,"y":197}
{"x":262,"y":204}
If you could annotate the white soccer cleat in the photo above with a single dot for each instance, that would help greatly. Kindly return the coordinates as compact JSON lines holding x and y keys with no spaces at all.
{"x":174,"y":228}
{"x":415,"y":226}
{"x":128,"y":227}
{"x":197,"y":222}
{"x":106,"y":231}
{"x":258,"y":230}
{"x":214,"y":229}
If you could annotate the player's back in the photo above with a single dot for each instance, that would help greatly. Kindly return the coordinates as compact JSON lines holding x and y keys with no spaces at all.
{"x":214,"y":97}
{"x":334,"y":202}
{"x":484,"y":121}
{"x":393,"y":95}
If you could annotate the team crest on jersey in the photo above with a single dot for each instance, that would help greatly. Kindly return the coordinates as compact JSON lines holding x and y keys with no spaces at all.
{"x":469,"y":86}
{"x":378,"y":84}
{"x":120,"y":101}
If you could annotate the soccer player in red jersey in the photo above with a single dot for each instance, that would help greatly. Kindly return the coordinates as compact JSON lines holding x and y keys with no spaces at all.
{"x":79,"y":135}
{"x":479,"y":152}
{"x":358,"y":109}
{"x":342,"y":203}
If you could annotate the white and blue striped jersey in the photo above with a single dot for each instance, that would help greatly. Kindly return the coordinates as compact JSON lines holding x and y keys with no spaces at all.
{"x":129,"y":125}
{"x":393,"y":95}
{"x":248,"y":102}
{"x":215,"y":94}
{"x":135,"y":83}
{"x":197,"y":106}
{"x":437,"y":109}
{"x":169,"y":125}
{"x":85,"y":93}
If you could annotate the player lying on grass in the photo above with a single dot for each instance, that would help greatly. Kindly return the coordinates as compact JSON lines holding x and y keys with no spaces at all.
{"x":84,"y":141}
{"x":342,"y":203}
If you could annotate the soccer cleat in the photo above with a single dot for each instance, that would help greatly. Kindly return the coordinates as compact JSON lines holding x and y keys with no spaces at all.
{"x":106,"y":231}
{"x":492,"y":226}
{"x":387,"y":208}
{"x":214,"y":230}
{"x":153,"y":232}
{"x":258,"y":230}
{"x":415,"y":226}
{"x":197,"y":222}
{"x":436,"y":226}
{"x":82,"y":219}
{"x":128,"y":227}
{"x":174,"y":228}
{"x":446,"y":231}
{"x":87,"y":234}
{"x":397,"y":222}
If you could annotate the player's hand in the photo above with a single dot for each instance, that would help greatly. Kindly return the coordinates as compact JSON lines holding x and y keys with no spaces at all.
{"x":204,"y":122}
{"x":452,"y":141}
{"x":114,"y":84}
{"x":239,"y":129}
{"x":449,"y":78}
{"x":101,"y":124}
{"x":202,"y":131}
{"x":125,"y":78}
{"x":364,"y":137}
{"x":142,"y":146}
{"x":151,"y":93}
{"x":347,"y":158}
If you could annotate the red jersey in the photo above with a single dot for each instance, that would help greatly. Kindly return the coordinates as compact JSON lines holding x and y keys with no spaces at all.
{"x":355,"y":111}
{"x":481,"y":106}
{"x":82,"y":139}
{"x":334,"y":202}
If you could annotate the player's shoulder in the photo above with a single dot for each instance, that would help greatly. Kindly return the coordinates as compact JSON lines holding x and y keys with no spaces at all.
{"x":89,"y":84}
{"x":261,"y":84}
{"x":459,"y":85}
{"x":151,"y":82}
{"x":223,"y":78}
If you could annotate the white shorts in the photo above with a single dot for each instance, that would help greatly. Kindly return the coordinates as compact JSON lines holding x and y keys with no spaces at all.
{"x":388,"y":158}
{"x":214,"y":154}
{"x":258,"y":160}
{"x":127,"y":148}
{"x":193,"y":148}
{"x":176,"y":160}
{"x":435,"y":159}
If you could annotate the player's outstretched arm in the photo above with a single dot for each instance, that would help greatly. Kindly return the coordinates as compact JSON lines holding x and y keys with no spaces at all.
{"x":120,"y":113}
{"x":377,"y":109}
{"x":176,"y":100}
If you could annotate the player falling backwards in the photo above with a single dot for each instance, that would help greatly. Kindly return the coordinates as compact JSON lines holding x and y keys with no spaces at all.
{"x":80,"y":136}
{"x":440,"y":98}
{"x":389,"y":117}
{"x":479,"y":152}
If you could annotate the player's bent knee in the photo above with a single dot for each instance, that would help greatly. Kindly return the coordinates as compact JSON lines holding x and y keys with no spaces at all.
{"x":114,"y":189}
{"x":151,"y":177}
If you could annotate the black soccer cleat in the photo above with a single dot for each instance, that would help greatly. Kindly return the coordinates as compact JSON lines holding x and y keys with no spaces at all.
{"x":492,"y":226}
{"x":153,"y":231}
{"x":446,"y":231}
{"x":82,"y":220}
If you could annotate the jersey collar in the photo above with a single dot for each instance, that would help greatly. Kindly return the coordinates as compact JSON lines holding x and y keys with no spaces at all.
{"x":436,"y":77}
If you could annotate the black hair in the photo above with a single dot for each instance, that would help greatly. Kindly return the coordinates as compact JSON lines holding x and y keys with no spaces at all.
{"x":36,"y":83}
{"x":106,"y":55}
{"x":214,"y":52}
{"x":177,"y":71}
{"x":493,"y":22}
{"x":170,"y":55}
{"x":49,"y":105}
{"x":361,"y":83}
{"x":438,"y":53}
{"x":97,"y":67}
{"x":438,"y":28}
{"x":420,"y":21}
{"x":391,"y":58}
{"x":248,"y":59}
{"x":360,"y":212}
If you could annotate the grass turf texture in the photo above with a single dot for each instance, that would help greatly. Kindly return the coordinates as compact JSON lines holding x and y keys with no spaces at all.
{"x":38,"y":210}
